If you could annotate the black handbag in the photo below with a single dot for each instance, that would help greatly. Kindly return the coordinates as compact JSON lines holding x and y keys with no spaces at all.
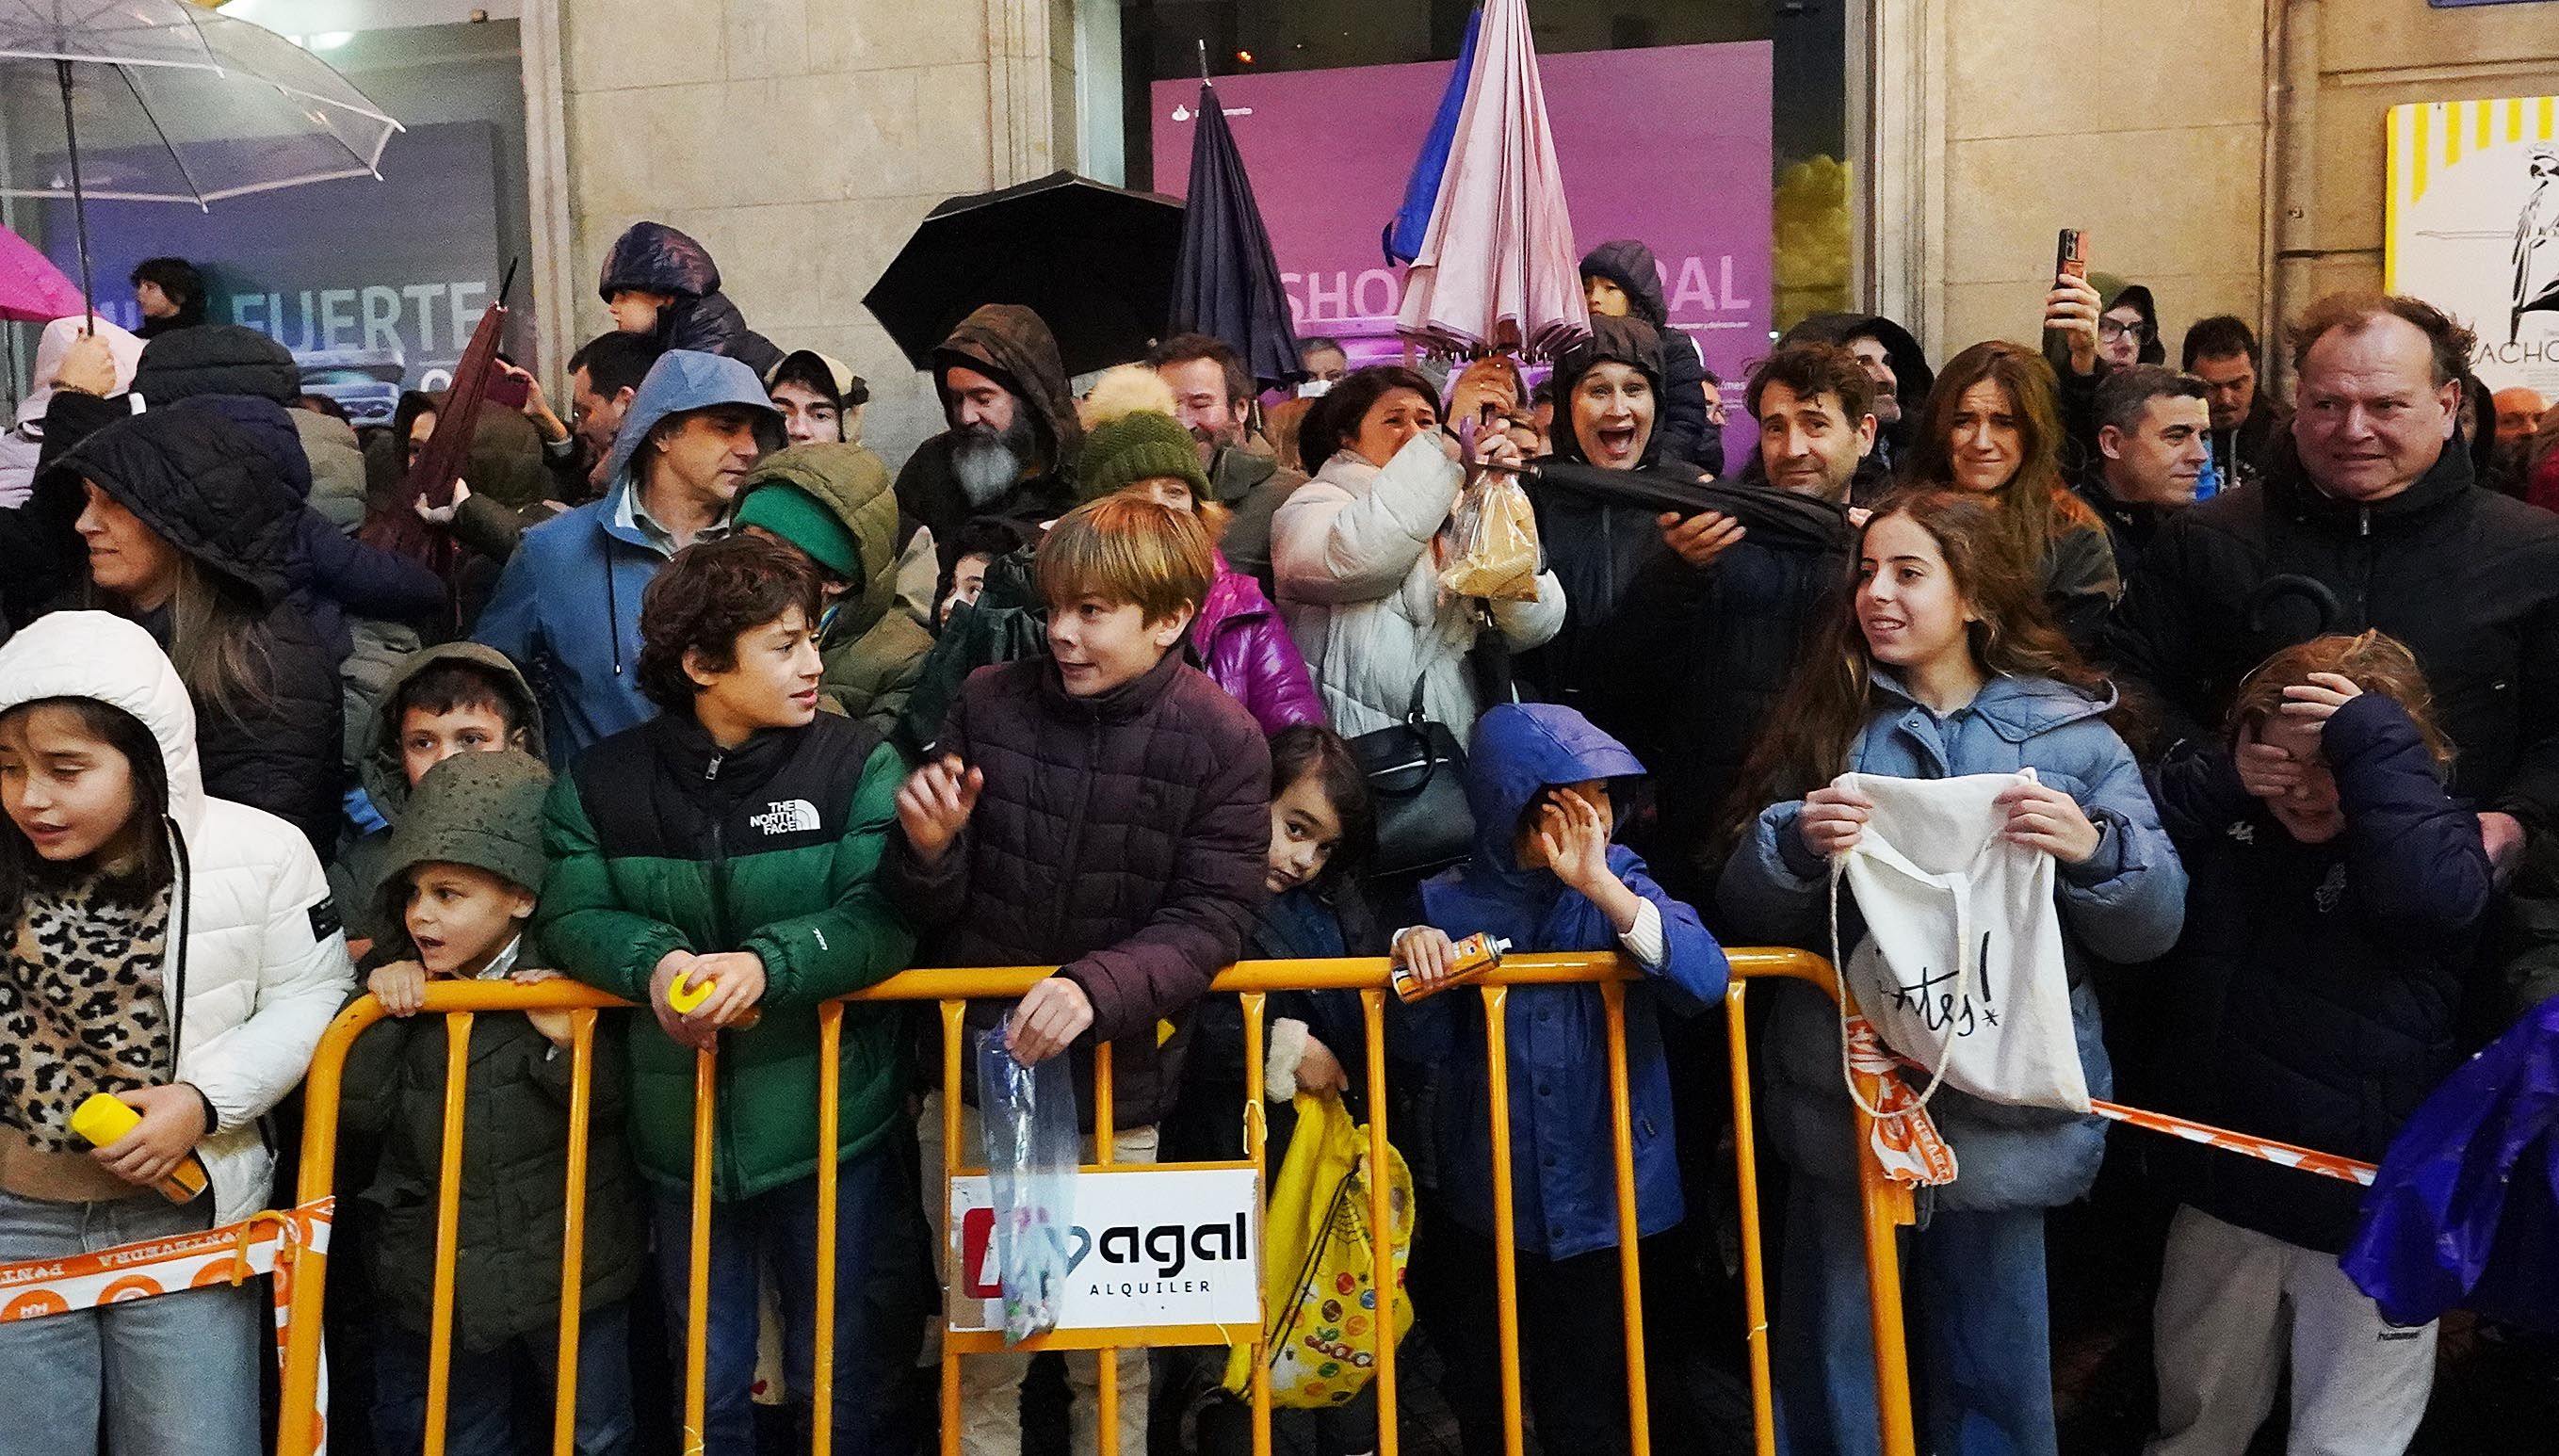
{"x":1416,"y":773}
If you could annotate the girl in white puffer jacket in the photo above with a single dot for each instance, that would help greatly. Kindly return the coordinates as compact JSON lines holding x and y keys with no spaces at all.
{"x":177,"y":951}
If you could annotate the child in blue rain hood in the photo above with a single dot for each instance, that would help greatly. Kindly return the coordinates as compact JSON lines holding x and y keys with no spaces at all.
{"x":1546,"y":877}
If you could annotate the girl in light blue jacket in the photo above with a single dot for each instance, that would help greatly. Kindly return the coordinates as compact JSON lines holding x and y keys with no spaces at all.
{"x":1945,"y":663}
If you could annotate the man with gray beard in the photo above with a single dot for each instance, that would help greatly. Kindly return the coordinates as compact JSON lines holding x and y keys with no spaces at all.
{"x":1009,"y":452}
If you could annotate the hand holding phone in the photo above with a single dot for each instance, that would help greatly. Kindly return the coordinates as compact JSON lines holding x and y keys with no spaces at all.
{"x":2070,"y":308}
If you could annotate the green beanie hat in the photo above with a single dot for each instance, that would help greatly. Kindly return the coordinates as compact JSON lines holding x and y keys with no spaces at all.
{"x":481,"y":809}
{"x":1138,"y":446}
{"x":805,"y":521}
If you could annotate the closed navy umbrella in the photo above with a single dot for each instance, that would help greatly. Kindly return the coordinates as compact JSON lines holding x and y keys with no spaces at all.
{"x":1227,"y":281}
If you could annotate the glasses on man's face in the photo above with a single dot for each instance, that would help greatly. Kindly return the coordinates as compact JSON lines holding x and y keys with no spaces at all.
{"x":2113,"y":329}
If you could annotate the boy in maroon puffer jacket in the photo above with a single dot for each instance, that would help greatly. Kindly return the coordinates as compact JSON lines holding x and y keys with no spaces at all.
{"x":1103,"y":809}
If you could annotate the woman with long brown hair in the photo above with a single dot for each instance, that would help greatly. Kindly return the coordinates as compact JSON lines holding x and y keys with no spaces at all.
{"x":1994,"y":427}
{"x":190,"y":527}
{"x":1942,"y":662}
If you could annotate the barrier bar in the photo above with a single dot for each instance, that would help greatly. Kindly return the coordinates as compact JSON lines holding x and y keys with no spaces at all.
{"x":448,"y":1230}
{"x":581,"y":1111}
{"x":321,"y":1089}
{"x":1106,"y":1361}
{"x":1497,"y":1078}
{"x":1256,"y":1133}
{"x":1631,"y":1276}
{"x":1381,"y":1222}
{"x":831,"y":1079}
{"x":1754,"y":1276}
{"x":697,"y":1278}
{"x":1885,"y":1207}
{"x":954,"y":1031}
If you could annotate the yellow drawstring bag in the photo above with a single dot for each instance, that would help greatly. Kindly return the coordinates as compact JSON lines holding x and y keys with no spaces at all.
{"x":1318,"y":1254}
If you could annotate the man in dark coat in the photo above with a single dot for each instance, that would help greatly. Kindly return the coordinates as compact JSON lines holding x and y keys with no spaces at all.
{"x":2221,"y":350}
{"x":1213,"y":398}
{"x":661,"y":283}
{"x":1622,"y":279}
{"x":1010,"y":450}
{"x":1896,"y":364}
{"x":1742,"y":609}
{"x":2370,"y":518}
{"x":2152,"y":428}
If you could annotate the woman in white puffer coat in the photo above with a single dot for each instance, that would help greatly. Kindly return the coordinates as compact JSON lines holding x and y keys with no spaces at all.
{"x":178,"y":953}
{"x":1357,"y":554}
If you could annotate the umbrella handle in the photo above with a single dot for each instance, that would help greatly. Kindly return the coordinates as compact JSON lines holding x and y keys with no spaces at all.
{"x":80,"y":203}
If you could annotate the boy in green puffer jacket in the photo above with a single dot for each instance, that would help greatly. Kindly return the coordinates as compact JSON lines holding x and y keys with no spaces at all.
{"x":459,"y":889}
{"x":730,"y":847}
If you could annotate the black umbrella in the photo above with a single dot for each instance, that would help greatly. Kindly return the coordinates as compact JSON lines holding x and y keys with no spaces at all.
{"x":1094,"y":261}
{"x":1228,"y":281}
{"x":1774,"y":518}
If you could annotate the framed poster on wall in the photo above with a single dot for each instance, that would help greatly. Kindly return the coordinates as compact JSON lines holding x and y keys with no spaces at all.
{"x":2474,"y":226}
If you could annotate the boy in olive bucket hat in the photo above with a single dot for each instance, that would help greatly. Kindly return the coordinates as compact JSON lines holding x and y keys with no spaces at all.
{"x":464,"y":868}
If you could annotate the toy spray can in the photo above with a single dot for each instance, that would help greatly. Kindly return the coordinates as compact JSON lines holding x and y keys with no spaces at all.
{"x":1476,"y":955}
{"x":104,"y":1119}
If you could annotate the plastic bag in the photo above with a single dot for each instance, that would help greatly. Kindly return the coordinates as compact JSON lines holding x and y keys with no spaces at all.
{"x":1496,"y":534}
{"x":1031,"y":1150}
{"x":1320,"y":1262}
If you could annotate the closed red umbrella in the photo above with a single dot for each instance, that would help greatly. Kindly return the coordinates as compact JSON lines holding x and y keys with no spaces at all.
{"x":32,"y":289}
{"x":1498,"y":267}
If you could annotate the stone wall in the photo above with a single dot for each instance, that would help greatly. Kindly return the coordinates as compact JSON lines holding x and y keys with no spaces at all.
{"x":801,"y":141}
{"x":2139,"y":121}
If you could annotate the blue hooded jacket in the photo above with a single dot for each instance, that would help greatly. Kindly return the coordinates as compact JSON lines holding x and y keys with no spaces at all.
{"x":1564,"y":1199}
{"x":566,"y":609}
{"x":2125,"y":906}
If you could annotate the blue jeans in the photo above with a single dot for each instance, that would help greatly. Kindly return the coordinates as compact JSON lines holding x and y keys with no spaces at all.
{"x":1981,"y":1338}
{"x":479,"y":1405}
{"x":875,"y":1339}
{"x":171,"y":1376}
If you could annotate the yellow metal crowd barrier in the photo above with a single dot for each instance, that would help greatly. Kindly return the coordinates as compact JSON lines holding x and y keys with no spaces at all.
{"x":1885,"y":1207}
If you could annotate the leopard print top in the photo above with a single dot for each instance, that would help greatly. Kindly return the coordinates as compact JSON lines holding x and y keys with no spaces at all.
{"x":80,"y":1008}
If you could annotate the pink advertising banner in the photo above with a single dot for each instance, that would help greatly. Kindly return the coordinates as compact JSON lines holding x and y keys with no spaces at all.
{"x":1668,"y":144}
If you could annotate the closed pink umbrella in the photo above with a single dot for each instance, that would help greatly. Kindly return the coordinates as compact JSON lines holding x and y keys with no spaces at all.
{"x":32,"y":289}
{"x":1497,"y":267}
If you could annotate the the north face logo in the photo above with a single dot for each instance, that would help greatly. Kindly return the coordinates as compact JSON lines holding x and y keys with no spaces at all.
{"x":789,"y":817}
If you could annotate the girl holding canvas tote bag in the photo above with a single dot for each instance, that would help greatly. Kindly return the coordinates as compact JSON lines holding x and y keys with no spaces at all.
{"x":1944,"y":664}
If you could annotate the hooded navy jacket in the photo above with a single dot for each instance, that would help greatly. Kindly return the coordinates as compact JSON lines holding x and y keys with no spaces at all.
{"x":1564,"y":1197}
{"x":2317,"y":984}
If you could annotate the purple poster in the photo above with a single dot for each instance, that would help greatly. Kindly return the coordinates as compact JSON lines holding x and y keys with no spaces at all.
{"x":1670,"y":145}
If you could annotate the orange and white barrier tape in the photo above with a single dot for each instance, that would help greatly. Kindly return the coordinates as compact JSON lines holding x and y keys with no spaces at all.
{"x":263,"y":1243}
{"x":1906,"y":1141}
{"x":2264,"y":1149}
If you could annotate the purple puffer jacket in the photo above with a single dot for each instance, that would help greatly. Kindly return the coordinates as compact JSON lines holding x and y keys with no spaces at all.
{"x":1244,"y":649}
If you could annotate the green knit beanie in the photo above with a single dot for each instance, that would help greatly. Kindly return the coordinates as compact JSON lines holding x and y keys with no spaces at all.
{"x":805,"y":521}
{"x":1138,"y":446}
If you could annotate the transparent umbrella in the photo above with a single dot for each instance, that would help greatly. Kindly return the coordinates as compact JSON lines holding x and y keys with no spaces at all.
{"x":164,"y":101}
